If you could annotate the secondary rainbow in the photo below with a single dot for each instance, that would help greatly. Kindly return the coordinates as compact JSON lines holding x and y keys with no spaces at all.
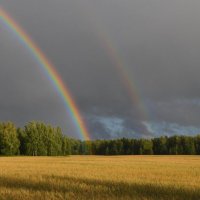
{"x":124,"y":74}
{"x":117,"y":60}
{"x":49,"y":70}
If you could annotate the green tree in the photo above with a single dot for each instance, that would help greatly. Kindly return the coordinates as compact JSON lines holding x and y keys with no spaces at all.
{"x":147,"y":147}
{"x":197,"y":144}
{"x":160,"y":146}
{"x":188,"y":145}
{"x":9,"y":142}
{"x":113,"y":148}
{"x":172,"y":145}
{"x":22,"y":138}
{"x":66,"y":146}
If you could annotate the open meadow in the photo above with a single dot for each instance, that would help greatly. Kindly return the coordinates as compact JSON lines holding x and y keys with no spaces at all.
{"x":100,"y":177}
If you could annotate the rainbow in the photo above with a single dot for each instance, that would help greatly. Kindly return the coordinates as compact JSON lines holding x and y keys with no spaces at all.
{"x":49,"y":70}
{"x":113,"y":54}
{"x":126,"y":78}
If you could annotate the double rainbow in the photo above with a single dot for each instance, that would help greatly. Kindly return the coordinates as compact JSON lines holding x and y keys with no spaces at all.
{"x":49,"y":70}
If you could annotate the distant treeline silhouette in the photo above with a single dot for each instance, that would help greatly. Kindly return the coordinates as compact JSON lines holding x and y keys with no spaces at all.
{"x":39,"y":139}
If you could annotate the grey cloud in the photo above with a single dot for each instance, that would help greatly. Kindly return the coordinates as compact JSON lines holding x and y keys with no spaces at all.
{"x":157,"y":42}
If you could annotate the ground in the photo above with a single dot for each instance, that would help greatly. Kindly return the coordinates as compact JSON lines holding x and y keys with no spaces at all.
{"x":100,"y":177}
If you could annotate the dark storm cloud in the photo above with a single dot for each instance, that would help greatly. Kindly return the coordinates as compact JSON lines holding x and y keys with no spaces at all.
{"x":157,"y":41}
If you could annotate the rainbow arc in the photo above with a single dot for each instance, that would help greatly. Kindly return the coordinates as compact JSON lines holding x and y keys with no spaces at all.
{"x":49,"y":70}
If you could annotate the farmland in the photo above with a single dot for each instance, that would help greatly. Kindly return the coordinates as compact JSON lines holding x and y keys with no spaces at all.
{"x":100,"y":177}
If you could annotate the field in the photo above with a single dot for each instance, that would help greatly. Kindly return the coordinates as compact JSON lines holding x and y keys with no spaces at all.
{"x":93,"y":177}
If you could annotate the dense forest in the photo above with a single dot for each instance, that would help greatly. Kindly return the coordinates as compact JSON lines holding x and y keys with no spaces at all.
{"x":39,"y":139}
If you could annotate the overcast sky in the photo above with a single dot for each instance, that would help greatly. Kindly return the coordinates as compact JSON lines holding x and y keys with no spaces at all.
{"x":155,"y":41}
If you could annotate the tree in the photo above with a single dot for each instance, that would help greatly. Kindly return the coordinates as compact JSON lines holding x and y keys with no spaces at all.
{"x":9,"y":142}
{"x":172,"y":145}
{"x":126,"y":146}
{"x":43,"y":140}
{"x":197,"y":144}
{"x":188,"y":145}
{"x":21,"y":134}
{"x":160,"y":146}
{"x":66,"y":146}
{"x":138,"y":148}
{"x":75,"y":146}
{"x":147,"y":147}
{"x":34,"y":142}
{"x":113,"y":148}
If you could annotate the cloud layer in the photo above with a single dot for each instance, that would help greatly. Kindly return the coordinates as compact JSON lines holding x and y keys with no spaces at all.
{"x":157,"y":43}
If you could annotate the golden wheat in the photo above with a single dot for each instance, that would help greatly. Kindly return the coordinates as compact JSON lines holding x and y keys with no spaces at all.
{"x":99,"y":177}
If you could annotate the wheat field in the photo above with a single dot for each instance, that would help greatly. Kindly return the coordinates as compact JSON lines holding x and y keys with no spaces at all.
{"x":100,"y":177}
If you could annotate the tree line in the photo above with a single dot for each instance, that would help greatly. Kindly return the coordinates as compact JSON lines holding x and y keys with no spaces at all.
{"x":39,"y":139}
{"x":35,"y":139}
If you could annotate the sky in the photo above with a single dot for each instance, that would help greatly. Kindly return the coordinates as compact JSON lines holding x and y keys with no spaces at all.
{"x":132,"y":66}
